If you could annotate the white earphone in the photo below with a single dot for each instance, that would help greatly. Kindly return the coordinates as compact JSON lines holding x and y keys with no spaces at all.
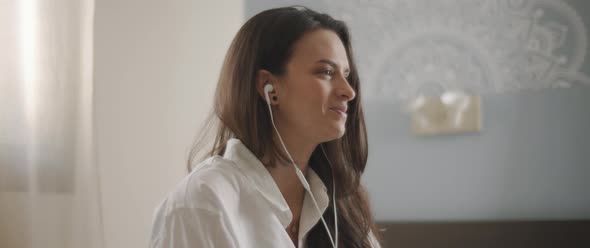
{"x":267,"y":89}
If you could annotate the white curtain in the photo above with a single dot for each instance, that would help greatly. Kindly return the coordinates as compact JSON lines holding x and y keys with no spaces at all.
{"x":49,"y":193}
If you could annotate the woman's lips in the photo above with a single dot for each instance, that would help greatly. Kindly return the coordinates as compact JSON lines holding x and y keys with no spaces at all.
{"x":340,"y":112}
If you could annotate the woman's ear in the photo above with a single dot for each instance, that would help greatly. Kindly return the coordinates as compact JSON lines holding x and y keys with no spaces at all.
{"x":264,"y":77}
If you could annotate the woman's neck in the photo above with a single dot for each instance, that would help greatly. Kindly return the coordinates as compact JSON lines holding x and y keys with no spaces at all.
{"x":284,"y":174}
{"x":299,"y":147}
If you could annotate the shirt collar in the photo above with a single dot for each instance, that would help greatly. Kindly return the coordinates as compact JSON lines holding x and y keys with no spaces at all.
{"x":263,"y":182}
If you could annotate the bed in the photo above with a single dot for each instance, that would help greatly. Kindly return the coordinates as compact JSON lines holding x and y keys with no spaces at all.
{"x":475,"y":234}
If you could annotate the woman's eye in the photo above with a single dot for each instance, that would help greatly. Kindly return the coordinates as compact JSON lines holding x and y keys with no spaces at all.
{"x":327,"y":72}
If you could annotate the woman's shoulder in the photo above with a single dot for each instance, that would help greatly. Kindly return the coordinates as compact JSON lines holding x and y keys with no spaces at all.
{"x":210,"y":185}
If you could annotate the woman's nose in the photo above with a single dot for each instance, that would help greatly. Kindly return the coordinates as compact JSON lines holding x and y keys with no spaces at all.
{"x":345,"y":90}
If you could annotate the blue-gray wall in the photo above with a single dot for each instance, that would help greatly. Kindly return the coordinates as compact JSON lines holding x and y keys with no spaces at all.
{"x":532,"y":158}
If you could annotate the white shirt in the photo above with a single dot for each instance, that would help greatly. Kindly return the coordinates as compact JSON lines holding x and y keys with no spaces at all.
{"x":232,"y":201}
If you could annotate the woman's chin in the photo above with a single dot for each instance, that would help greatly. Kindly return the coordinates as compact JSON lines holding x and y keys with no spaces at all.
{"x":334,"y":132}
{"x":337,"y":133}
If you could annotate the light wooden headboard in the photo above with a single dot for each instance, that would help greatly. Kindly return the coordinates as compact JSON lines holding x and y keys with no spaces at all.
{"x":488,"y":234}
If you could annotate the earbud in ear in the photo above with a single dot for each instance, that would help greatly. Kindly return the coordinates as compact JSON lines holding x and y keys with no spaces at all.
{"x":267,"y":89}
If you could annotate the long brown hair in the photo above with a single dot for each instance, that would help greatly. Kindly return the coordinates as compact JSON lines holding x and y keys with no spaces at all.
{"x":266,"y":42}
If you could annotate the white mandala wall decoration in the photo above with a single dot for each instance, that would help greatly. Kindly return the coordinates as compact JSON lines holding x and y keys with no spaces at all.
{"x":410,"y":47}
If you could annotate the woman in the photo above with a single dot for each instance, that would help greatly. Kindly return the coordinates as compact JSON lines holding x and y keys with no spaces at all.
{"x":287,"y":104}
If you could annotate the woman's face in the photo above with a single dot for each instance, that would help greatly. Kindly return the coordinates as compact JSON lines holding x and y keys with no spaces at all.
{"x":313,"y":94}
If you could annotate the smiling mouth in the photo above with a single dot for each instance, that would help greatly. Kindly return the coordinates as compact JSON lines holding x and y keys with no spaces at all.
{"x":340,"y":112}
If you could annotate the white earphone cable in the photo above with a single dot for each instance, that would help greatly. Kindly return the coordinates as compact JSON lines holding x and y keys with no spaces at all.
{"x":333,"y":196}
{"x":298,"y":171}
